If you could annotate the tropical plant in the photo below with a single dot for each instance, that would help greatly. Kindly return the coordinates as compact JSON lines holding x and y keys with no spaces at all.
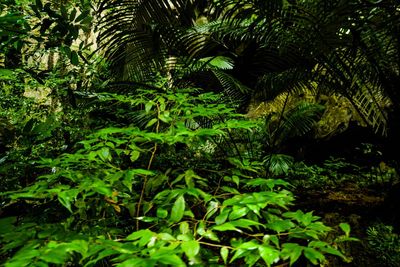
{"x":384,"y":244}
{"x":346,"y":47}
{"x":118,"y":200}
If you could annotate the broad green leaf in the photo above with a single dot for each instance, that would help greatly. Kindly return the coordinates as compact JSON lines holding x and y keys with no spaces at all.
{"x":151,"y":122}
{"x":83,"y":15}
{"x":273,"y":238}
{"x":74,"y":58}
{"x":148,"y":106}
{"x":221,"y":218}
{"x":166,"y":237}
{"x":72,"y":16}
{"x":292,"y":251}
{"x":162,"y":213}
{"x":56,"y":255}
{"x":171,"y":259}
{"x":68,"y":196}
{"x":178,"y":209}
{"x":313,"y":255}
{"x":101,"y":187}
{"x":238,"y":213}
{"x":245,"y":223}
{"x":191,"y":248}
{"x":144,"y":236}
{"x":23,"y":257}
{"x":184,"y":228}
{"x":345,"y":228}
{"x":330,"y":250}
{"x":224,"y":254}
{"x":250,"y":245}
{"x":236,"y":180}
{"x":226,"y":227}
{"x":281,"y":225}
{"x":269,"y":254}
{"x":6,"y":74}
{"x":239,"y":253}
{"x":212,"y":208}
{"x":136,"y":262}
{"x":104,"y":154}
{"x":134,"y":155}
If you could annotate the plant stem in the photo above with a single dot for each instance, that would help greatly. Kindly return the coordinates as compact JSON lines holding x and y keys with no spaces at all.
{"x":148,"y":168}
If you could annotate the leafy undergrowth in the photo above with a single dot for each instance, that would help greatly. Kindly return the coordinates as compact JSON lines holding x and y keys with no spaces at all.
{"x":155,"y":195}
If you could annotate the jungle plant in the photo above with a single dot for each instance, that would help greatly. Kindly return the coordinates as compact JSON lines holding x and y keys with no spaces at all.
{"x":384,"y":244}
{"x":116,"y":200}
{"x":345,"y":47}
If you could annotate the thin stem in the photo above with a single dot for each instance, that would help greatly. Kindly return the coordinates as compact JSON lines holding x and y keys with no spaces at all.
{"x":215,"y":245}
{"x":148,"y":168}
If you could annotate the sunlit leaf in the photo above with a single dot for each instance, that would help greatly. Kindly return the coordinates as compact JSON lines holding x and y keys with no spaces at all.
{"x":178,"y":209}
{"x":191,"y":248}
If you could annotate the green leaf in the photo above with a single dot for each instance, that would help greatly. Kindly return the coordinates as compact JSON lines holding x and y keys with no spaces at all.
{"x":184,"y":228}
{"x":104,"y":154}
{"x":271,"y":238}
{"x":191,"y":248}
{"x":178,"y":209}
{"x":144,"y":237}
{"x":292,"y":251}
{"x":330,"y":250}
{"x":281,"y":225}
{"x":162,"y":213}
{"x":73,"y":14}
{"x":74,"y":58}
{"x":66,"y":197}
{"x":101,"y":187}
{"x":245,"y":223}
{"x":83,"y":15}
{"x":166,"y":237}
{"x":133,"y":262}
{"x":345,"y":228}
{"x":223,"y":216}
{"x":56,"y":255}
{"x":151,"y":122}
{"x":224,"y":254}
{"x":135,"y":155}
{"x":148,"y":106}
{"x":226,"y":227}
{"x":238,"y":213}
{"x":6,"y":73}
{"x":239,"y":254}
{"x":250,"y":245}
{"x":171,"y":259}
{"x":269,"y":254}
{"x":313,"y":255}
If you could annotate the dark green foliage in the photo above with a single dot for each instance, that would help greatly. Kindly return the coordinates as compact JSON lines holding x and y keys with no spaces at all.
{"x":335,"y":172}
{"x":149,"y":168}
{"x":130,"y":204}
{"x":346,"y":47}
{"x":384,"y":244}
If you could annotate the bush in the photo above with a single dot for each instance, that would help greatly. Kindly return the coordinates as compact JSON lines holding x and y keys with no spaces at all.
{"x":119,"y":200}
{"x":384,"y":244}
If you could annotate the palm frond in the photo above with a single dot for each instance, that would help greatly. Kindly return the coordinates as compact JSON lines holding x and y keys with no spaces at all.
{"x":373,"y":105}
{"x":300,"y":120}
{"x":279,"y":164}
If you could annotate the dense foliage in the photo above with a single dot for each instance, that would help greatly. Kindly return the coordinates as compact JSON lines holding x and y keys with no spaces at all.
{"x":136,"y":132}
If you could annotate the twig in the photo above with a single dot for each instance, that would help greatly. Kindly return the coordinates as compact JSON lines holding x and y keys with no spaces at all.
{"x":148,"y":168}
